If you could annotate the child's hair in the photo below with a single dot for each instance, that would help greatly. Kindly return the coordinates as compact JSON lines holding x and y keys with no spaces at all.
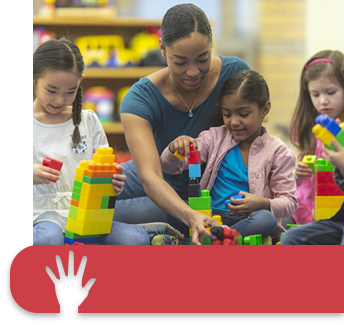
{"x":182,"y":20}
{"x":325,"y":63}
{"x":61,"y":54}
{"x":250,"y":86}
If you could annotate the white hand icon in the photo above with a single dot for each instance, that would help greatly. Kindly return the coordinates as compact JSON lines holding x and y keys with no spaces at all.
{"x":69,"y":291}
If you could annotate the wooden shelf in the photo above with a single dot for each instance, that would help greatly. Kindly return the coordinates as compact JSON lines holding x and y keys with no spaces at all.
{"x":113,"y":128}
{"x":95,"y":21}
{"x":120,"y":73}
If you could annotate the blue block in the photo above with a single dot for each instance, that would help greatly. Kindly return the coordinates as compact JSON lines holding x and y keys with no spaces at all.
{"x":235,"y":197}
{"x":194,"y":171}
{"x":86,"y":240}
{"x":328,"y":123}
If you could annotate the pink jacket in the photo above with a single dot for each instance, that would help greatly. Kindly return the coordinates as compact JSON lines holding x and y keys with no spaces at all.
{"x":270,"y":167}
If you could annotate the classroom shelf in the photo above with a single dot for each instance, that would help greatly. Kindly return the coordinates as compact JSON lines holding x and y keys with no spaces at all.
{"x":120,"y":73}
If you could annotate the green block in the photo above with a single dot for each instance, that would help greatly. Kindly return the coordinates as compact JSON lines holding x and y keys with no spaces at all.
{"x":105,"y":202}
{"x":240,"y":240}
{"x":201,"y":203}
{"x":77,"y":184}
{"x":323,"y":165}
{"x":291,"y":226}
{"x":97,"y":180}
{"x":253,"y":240}
{"x":76,"y":190}
{"x":310,"y":160}
{"x":206,"y":241}
{"x":76,"y":196}
{"x":340,"y":138}
{"x":72,"y":235}
{"x":73,"y":210}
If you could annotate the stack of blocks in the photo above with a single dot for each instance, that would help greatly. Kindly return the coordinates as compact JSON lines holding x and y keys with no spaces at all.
{"x":328,"y":196}
{"x":93,"y":199}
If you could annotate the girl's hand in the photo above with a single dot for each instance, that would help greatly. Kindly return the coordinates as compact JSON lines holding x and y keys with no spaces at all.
{"x":335,"y":158}
{"x":118,"y":179}
{"x":41,"y":174}
{"x":198,"y":223}
{"x":302,"y":171}
{"x":182,"y":145}
{"x":248,"y":204}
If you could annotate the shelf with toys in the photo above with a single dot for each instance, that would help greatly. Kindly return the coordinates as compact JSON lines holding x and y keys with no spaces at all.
{"x":114,"y":51}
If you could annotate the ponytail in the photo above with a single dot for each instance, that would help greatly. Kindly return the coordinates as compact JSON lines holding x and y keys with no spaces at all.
{"x":76,"y":116}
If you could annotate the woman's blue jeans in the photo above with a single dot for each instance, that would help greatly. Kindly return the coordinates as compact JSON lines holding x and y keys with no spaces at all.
{"x":132,"y":204}
{"x":322,"y":232}
{"x":49,"y":233}
{"x":259,"y":222}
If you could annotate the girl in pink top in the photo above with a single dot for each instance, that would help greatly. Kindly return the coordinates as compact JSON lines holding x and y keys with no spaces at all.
{"x":321,"y":92}
{"x":242,"y":158}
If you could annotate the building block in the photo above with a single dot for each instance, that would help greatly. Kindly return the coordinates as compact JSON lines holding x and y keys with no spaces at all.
{"x":227,"y":236}
{"x":195,"y":156}
{"x":324,"y":213}
{"x":180,"y":157}
{"x":97,"y":190}
{"x":253,"y":240}
{"x":323,"y":165}
{"x":112,"y":202}
{"x":310,"y":161}
{"x":201,"y":203}
{"x":328,"y":123}
{"x":90,"y":202}
{"x":235,"y":197}
{"x":324,"y":135}
{"x":324,"y":177}
{"x":323,"y":202}
{"x":97,"y":180}
{"x":52,"y":163}
{"x":291,"y":226}
{"x":104,"y":155}
{"x":83,"y":240}
{"x":88,"y":216}
{"x":328,"y":190}
{"x":88,"y":228}
{"x":194,"y":188}
{"x":194,"y":171}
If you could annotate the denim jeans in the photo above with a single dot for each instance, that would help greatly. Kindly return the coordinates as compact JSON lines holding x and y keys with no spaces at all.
{"x":259,"y":222}
{"x":132,"y":204}
{"x":49,"y":233}
{"x":321,"y":232}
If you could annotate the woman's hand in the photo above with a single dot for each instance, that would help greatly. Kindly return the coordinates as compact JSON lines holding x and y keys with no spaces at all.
{"x":41,"y":174}
{"x":302,"y":171}
{"x":198,"y":223}
{"x":247,"y":205}
{"x":118,"y":179}
{"x":182,"y":145}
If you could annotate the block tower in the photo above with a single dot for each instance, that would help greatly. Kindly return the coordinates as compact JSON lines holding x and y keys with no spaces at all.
{"x":93,"y":199}
{"x":328,"y":196}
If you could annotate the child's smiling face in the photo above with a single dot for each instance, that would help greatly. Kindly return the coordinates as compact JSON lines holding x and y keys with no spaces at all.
{"x":242,"y":118}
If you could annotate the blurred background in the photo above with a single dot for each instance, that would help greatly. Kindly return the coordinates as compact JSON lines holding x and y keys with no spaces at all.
{"x":119,"y":39}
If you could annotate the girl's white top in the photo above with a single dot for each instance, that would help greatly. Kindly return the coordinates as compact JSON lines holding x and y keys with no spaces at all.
{"x":51,"y":201}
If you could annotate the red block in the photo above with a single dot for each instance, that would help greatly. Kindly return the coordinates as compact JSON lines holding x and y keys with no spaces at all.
{"x":328,"y":190}
{"x":324,"y":178}
{"x":52,"y":163}
{"x":195,"y":156}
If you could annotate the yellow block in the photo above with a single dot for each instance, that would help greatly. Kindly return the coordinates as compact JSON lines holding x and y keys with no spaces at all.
{"x":101,"y":215}
{"x":88,"y":228}
{"x":97,"y":190}
{"x":324,"y":213}
{"x":322,"y":202}
{"x":104,"y":155}
{"x":180,"y":157}
{"x":90,"y":202}
{"x":324,"y":135}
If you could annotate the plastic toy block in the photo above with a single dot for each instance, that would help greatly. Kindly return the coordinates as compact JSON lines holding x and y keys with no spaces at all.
{"x":97,"y":180}
{"x":75,"y":195}
{"x":112,"y":202}
{"x":82,"y":240}
{"x":328,"y":123}
{"x":88,"y":228}
{"x":235,"y":197}
{"x":52,"y":163}
{"x":228,"y":236}
{"x":104,"y":202}
{"x":322,"y":202}
{"x":206,"y":212}
{"x":98,"y":190}
{"x":73,"y":210}
{"x":218,"y":219}
{"x":194,"y":171}
{"x":324,"y":213}
{"x":328,"y":190}
{"x":324,"y":135}
{"x":79,"y":172}
{"x":201,"y":203}
{"x":216,"y":242}
{"x":72,"y":235}
{"x":90,"y":202}
{"x":206,"y":240}
{"x":291,"y":226}
{"x":195,"y":156}
{"x":324,"y":178}
{"x":180,"y":157}
{"x":104,"y":155}
{"x":310,"y":161}
{"x":323,"y":165}
{"x":253,"y":240}
{"x":74,"y":202}
{"x":194,"y":190}
{"x":93,"y":216}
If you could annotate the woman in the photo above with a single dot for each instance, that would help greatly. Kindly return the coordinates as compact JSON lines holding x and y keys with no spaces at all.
{"x":173,"y":101}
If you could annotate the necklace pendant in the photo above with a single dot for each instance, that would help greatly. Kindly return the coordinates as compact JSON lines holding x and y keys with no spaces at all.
{"x":190,"y":114}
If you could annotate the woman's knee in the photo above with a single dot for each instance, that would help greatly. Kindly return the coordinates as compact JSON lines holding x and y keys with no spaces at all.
{"x":47,"y":233}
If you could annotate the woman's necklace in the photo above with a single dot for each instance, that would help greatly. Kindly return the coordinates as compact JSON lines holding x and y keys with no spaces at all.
{"x":193,"y":105}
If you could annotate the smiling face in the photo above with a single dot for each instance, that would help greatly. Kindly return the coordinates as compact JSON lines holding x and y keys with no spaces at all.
{"x":189,"y":60}
{"x":327,"y":97}
{"x":55,"y":91}
{"x":243,"y":118}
